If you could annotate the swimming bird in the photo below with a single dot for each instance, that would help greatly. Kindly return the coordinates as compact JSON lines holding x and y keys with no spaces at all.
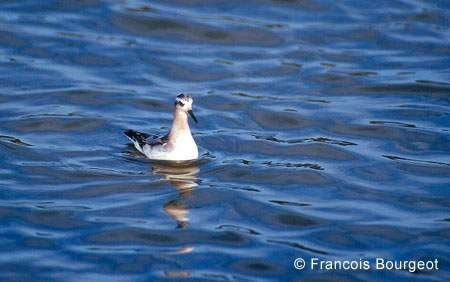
{"x":178,"y":144}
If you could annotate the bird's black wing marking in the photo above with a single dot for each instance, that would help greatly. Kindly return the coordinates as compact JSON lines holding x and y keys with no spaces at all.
{"x":139,"y":137}
{"x":160,"y":140}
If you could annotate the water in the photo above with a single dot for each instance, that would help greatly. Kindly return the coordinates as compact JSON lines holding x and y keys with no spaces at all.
{"x":324,"y":132}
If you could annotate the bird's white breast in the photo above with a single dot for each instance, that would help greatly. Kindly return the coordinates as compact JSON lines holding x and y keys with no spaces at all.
{"x":181,"y":148}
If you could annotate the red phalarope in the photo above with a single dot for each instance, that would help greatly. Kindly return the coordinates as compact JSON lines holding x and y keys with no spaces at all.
{"x":178,"y":144}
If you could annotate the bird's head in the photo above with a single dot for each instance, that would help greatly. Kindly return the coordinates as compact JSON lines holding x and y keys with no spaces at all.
{"x":184,"y":103}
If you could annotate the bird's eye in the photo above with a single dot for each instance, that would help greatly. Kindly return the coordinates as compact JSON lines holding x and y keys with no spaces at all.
{"x":179,"y":103}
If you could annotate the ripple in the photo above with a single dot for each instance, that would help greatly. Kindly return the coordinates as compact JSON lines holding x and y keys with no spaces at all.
{"x":412,"y":160}
{"x":275,"y":164}
{"x":14,"y":140}
{"x":288,"y":203}
{"x":238,"y":228}
{"x":377,"y":122}
{"x":299,"y":246}
{"x":308,"y":140}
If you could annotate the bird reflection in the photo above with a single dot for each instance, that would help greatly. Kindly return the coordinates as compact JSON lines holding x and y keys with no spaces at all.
{"x":183,"y":176}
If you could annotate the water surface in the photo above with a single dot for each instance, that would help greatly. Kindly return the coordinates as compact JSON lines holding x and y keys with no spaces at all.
{"x":324,"y":132}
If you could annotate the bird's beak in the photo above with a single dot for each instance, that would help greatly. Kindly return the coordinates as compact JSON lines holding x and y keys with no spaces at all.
{"x":191,"y":113}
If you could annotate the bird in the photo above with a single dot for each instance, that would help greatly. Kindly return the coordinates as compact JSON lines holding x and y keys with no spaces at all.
{"x":178,"y":144}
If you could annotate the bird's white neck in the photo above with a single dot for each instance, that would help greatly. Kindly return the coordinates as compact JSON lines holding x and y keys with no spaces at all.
{"x":180,"y":125}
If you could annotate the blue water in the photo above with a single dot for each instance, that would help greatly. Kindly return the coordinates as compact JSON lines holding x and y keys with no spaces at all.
{"x":323,"y":133}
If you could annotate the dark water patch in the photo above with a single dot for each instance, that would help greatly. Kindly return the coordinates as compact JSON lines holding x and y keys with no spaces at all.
{"x":295,"y":220}
{"x":148,"y":104}
{"x":376,"y":122}
{"x":298,"y":165}
{"x":278,"y":177}
{"x":177,"y":29}
{"x":330,"y":65}
{"x":238,"y":228}
{"x":248,"y":189}
{"x":275,"y":164}
{"x":266,"y":150}
{"x":274,"y":71}
{"x":288,"y":203}
{"x":223,"y":103}
{"x":257,"y":266}
{"x":413,"y":160}
{"x":426,"y":169}
{"x":189,"y":72}
{"x":14,"y":140}
{"x":131,"y":236}
{"x":409,"y":89}
{"x":303,"y":5}
{"x":87,"y":97}
{"x":55,"y":172}
{"x":332,"y":78}
{"x":63,"y":207}
{"x":95,"y":60}
{"x":299,"y":246}
{"x":396,"y":134}
{"x":160,"y":238}
{"x":307,"y":140}
{"x":39,"y":243}
{"x":277,"y":216}
{"x":221,"y":61}
{"x":55,"y":124}
{"x":432,"y":82}
{"x":10,"y":39}
{"x":418,"y":114}
{"x":246,"y":55}
{"x":142,"y":8}
{"x":104,"y":190}
{"x":341,"y":240}
{"x":363,"y":73}
{"x":291,"y":64}
{"x":375,"y":173}
{"x":282,"y":120}
{"x":70,"y":34}
{"x":52,"y":219}
{"x":392,"y":234}
{"x":242,"y":94}
{"x":319,"y":101}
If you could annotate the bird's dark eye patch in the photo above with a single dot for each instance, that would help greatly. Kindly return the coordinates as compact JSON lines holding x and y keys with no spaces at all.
{"x":179,"y":103}
{"x":180,"y":96}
